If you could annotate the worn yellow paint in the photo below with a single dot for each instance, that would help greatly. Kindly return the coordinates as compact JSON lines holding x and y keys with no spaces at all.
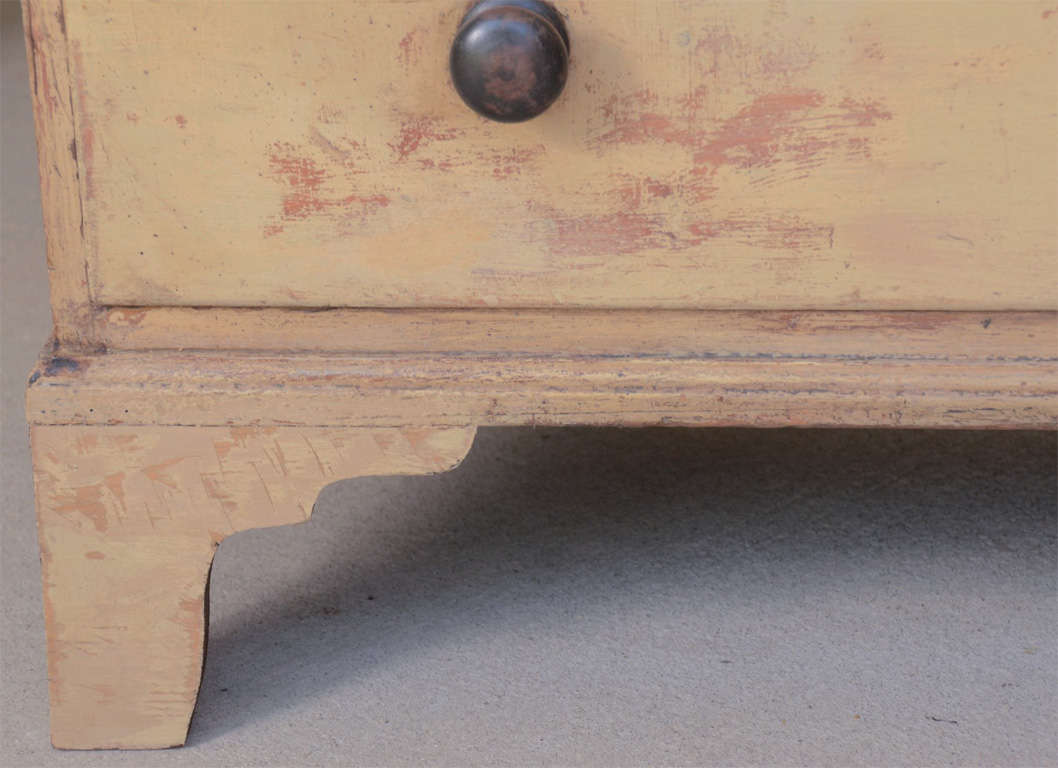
{"x":652,"y":333}
{"x":129,"y":519}
{"x":980,"y":384}
{"x":53,"y":110}
{"x":704,"y":155}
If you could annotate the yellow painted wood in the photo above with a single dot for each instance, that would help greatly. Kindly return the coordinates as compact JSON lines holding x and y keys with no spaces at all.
{"x":896,"y":155}
{"x":129,"y":519}
{"x":653,"y":333}
{"x":53,"y":111}
{"x":978,"y":388}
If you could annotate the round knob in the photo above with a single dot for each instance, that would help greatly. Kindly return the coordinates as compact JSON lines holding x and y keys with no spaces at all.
{"x":510,"y":58}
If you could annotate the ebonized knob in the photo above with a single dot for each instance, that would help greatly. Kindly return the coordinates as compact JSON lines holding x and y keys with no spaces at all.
{"x":510,"y":58}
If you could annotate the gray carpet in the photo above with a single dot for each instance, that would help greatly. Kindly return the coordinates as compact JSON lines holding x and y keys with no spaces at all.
{"x":595,"y":597}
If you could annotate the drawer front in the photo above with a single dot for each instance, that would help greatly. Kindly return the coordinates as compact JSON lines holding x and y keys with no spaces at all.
{"x":884,"y":155}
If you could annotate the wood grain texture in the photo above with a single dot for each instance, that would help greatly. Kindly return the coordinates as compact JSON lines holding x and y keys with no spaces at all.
{"x":653,"y":333}
{"x":57,"y":150}
{"x":129,"y":519}
{"x":1001,"y":371}
{"x":749,"y":155}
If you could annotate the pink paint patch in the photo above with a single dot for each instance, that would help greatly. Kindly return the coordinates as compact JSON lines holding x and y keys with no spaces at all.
{"x":510,"y":163}
{"x":410,"y":49}
{"x":418,"y":132}
{"x":304,"y":180}
{"x":614,"y":233}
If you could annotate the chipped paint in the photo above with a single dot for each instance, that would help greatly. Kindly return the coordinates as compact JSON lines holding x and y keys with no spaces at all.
{"x":864,"y":112}
{"x":728,"y":140}
{"x":608,"y":233}
{"x":86,"y":136}
{"x":410,"y":48}
{"x":115,"y":483}
{"x":129,"y":316}
{"x":57,"y":366}
{"x":625,"y":233}
{"x":306,"y":194}
{"x":86,"y":501}
{"x":631,"y":193}
{"x":795,"y":127}
{"x":418,"y":131}
{"x":513,"y":162}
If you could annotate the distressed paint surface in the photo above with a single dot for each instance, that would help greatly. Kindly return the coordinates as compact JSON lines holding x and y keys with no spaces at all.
{"x":643,"y":333}
{"x":979,"y":385}
{"x":129,"y":519}
{"x":44,"y":24}
{"x":704,"y":155}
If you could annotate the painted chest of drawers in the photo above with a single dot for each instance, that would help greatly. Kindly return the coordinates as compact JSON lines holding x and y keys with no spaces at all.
{"x":294,"y":242}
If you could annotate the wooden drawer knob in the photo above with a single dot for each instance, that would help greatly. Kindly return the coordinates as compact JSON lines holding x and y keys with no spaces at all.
{"x":510,"y":58}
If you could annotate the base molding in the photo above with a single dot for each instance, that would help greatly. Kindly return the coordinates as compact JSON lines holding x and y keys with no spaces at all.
{"x":458,"y":368}
{"x":235,"y":389}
